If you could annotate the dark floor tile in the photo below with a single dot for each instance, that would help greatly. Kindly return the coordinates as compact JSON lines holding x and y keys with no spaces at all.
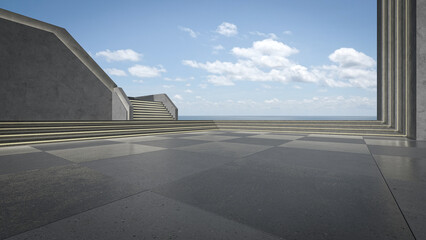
{"x":333,"y":162}
{"x":76,"y":144}
{"x":145,"y":216}
{"x":402,"y":168}
{"x":29,"y":161}
{"x":171,"y":143}
{"x":295,"y":203}
{"x":339,"y":140}
{"x":35,"y":198}
{"x":152,"y":169}
{"x":398,"y":151}
{"x":411,"y":197}
{"x":258,"y":141}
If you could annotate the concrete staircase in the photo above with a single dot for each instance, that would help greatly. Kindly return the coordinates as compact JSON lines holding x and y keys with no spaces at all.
{"x":364,"y":128}
{"x":150,"y":110}
{"x":16,"y":133}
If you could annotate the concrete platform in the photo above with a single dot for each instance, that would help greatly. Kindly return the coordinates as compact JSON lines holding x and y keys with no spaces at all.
{"x":215,"y":185}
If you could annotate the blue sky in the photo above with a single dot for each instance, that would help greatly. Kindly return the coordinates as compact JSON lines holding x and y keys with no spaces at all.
{"x":282,"y":57}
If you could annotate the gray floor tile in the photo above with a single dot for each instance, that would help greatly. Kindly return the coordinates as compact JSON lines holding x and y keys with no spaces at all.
{"x":278,"y":136}
{"x":237,"y":134}
{"x":17,"y":150}
{"x":171,"y":143}
{"x":258,"y":141}
{"x":210,"y":138}
{"x":102,"y":152}
{"x":226,"y":149}
{"x":332,"y":162}
{"x":411,"y":199}
{"x":68,"y":145}
{"x":331,"y":139}
{"x":328,"y":146}
{"x":34,"y":198}
{"x":145,"y":216}
{"x":29,"y":161}
{"x":151,"y":169}
{"x":402,"y":168}
{"x":395,"y":143}
{"x":398,"y":151}
{"x":295,"y":203}
{"x":335,"y":136}
{"x":140,"y":138}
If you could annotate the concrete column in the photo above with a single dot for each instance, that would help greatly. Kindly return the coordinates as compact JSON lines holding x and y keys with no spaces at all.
{"x":421,"y":69}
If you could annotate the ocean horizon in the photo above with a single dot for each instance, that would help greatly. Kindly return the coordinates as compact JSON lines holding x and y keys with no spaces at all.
{"x":229,"y":117}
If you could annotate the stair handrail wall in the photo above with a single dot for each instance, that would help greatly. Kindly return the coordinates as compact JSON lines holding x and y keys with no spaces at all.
{"x":162,"y":97}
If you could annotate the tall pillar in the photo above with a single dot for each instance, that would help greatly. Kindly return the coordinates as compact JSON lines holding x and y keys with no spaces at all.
{"x":421,"y":69}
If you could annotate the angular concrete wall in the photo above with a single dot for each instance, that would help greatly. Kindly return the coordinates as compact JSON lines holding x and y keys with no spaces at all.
{"x":46,"y":75}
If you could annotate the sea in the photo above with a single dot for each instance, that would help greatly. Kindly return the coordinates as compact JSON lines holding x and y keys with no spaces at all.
{"x":227,"y":117}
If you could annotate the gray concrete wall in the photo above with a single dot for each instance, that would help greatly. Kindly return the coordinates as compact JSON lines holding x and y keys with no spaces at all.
{"x":121,"y":106}
{"x":171,"y":107}
{"x":46,"y":75}
{"x":421,"y":69}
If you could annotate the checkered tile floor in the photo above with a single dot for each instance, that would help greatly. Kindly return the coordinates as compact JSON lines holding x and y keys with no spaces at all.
{"x":215,"y":185}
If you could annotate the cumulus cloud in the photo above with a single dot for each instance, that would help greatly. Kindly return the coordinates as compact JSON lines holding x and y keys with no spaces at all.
{"x":120,"y":55}
{"x":269,"y":61}
{"x":188,"y":91}
{"x":350,"y":58}
{"x":287,"y":32}
{"x":227,"y":29}
{"x":266,"y":60}
{"x":218,"y":47}
{"x":189,"y":31}
{"x":178,"y":97}
{"x":146,"y":71}
{"x":265,"y":35}
{"x":115,"y":72}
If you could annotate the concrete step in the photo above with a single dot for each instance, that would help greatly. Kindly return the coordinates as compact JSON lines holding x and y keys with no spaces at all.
{"x":16,"y":134}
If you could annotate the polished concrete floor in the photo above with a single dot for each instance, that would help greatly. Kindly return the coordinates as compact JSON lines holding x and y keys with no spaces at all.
{"x":215,"y":185}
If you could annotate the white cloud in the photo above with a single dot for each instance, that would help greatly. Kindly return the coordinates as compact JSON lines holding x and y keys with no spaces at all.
{"x":266,"y":35}
{"x":115,"y":72}
{"x":177,"y":79}
{"x":265,"y":61}
{"x":219,"y":80}
{"x":227,"y":29}
{"x":202,"y":85}
{"x":138,"y":81}
{"x":218,"y":47}
{"x":188,"y":84}
{"x":287,"y":32}
{"x":146,"y":71}
{"x":178,"y":97}
{"x":349,"y":57}
{"x":269,"y":61}
{"x":188,"y":91}
{"x":168,"y":86}
{"x":297,"y":87}
{"x":273,"y":100}
{"x":120,"y":55}
{"x":189,"y":31}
